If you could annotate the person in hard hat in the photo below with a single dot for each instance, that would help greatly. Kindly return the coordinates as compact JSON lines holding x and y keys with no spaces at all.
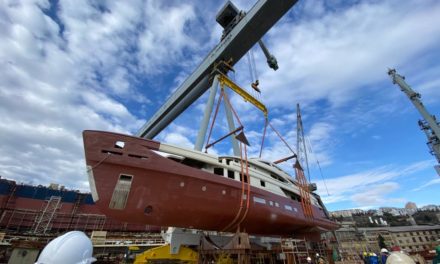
{"x":71,"y":248}
{"x":399,"y":258}
{"x":319,"y":259}
{"x":309,"y":260}
{"x":436,"y":259}
{"x":374,"y":259}
{"x":383,"y":255}
{"x":366,"y":258}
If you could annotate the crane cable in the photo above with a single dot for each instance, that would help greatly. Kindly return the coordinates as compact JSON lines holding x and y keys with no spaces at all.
{"x":253,"y":72}
{"x":282,"y":139}
{"x":254,"y":67}
{"x":213,"y":119}
{"x":277,"y":133}
{"x":319,"y":166}
{"x":264,"y":135}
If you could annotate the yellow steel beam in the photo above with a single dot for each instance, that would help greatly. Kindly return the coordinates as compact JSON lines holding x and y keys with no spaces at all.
{"x":162,"y":254}
{"x":246,"y":96}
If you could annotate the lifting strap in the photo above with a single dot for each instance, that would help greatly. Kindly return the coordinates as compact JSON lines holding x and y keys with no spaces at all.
{"x":304,"y":191}
{"x":245,"y":191}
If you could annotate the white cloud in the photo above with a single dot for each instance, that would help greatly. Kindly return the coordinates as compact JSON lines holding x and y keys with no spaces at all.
{"x":429,"y":183}
{"x":376,"y":195}
{"x":178,"y":140}
{"x":371,"y":186}
{"x":336,"y":56}
{"x":79,"y":70}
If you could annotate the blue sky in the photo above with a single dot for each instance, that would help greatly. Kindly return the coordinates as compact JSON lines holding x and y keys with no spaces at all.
{"x":67,"y":66}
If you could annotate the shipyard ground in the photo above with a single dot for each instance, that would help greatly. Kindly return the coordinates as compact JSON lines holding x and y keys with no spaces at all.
{"x":128,"y":248}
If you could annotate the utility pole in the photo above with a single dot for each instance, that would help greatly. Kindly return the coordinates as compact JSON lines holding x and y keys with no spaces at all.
{"x":428,"y":123}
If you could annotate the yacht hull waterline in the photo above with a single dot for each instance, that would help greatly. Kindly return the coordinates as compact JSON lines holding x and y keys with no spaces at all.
{"x":143,"y":181}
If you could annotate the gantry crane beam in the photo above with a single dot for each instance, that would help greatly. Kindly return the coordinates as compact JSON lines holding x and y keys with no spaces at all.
{"x":249,"y":30}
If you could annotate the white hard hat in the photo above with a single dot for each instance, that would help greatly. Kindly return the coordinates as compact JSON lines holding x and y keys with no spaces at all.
{"x":309,"y":258}
{"x":317,"y":254}
{"x":71,"y":248}
{"x":384,"y":250}
{"x":399,"y":258}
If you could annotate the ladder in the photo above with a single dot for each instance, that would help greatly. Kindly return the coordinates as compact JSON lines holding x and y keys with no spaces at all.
{"x":43,"y":222}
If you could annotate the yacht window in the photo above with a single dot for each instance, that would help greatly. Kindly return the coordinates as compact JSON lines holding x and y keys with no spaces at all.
{"x":231,"y":174}
{"x":291,"y":195}
{"x":277,"y":204}
{"x":281,"y":179}
{"x":228,"y":161}
{"x":218,"y":171}
{"x":262,"y":183}
{"x":193,"y":163}
{"x":174,"y":159}
{"x":288,"y":207}
{"x":245,"y":178}
{"x":259,"y":200}
{"x":292,"y":181}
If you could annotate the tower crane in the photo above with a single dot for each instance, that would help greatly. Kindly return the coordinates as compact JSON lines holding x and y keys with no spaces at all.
{"x":428,"y":123}
{"x":241,"y":32}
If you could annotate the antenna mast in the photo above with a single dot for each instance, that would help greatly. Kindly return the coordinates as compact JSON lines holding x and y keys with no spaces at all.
{"x":428,"y":123}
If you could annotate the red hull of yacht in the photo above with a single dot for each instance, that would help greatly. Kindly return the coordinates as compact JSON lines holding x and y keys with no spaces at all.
{"x":164,"y":192}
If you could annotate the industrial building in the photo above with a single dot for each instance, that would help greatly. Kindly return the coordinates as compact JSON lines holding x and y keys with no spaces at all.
{"x":353,"y":241}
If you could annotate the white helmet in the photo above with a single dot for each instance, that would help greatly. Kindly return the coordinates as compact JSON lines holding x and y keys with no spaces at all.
{"x":71,"y":248}
{"x":399,"y":258}
{"x":309,"y":259}
{"x":384,"y":250}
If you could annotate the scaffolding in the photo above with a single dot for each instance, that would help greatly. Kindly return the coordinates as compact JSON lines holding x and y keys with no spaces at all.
{"x":9,"y":202}
{"x":43,"y":223}
{"x":295,"y":251}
